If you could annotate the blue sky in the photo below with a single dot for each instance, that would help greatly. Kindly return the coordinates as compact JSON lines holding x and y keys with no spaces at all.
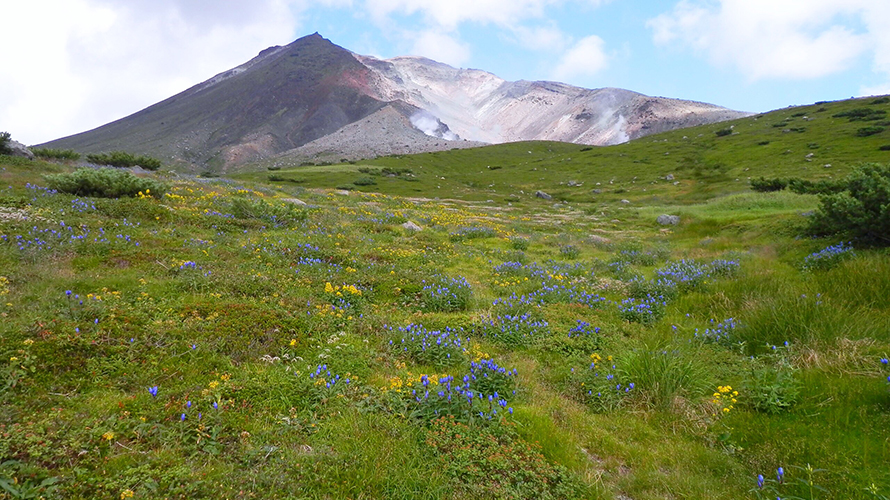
{"x":88,"y":62}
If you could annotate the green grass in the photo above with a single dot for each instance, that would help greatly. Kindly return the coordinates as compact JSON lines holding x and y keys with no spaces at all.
{"x":225,"y":293}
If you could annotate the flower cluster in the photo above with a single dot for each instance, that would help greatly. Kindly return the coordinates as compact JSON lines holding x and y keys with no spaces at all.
{"x":828,"y":257}
{"x":647,"y":310}
{"x":601,"y":385}
{"x":519,"y":329}
{"x":445,"y":294}
{"x":721,"y":333}
{"x":435,"y":347}
{"x":724,"y":399}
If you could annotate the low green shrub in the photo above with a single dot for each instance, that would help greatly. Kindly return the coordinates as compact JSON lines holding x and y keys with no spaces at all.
{"x":724,"y":132}
{"x":763,"y":185}
{"x":105,"y":183}
{"x":867,"y":131}
{"x":123,"y":159}
{"x":364,"y":181}
{"x":771,"y":390}
{"x":519,"y":243}
{"x":56,"y":154}
{"x":862,"y":210}
{"x":485,"y":464}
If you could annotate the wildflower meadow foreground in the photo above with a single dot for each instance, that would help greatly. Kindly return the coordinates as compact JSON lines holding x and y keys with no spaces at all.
{"x":210,"y":338}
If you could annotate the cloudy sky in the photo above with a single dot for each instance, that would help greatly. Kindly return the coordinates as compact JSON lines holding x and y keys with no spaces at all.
{"x":72,"y":65}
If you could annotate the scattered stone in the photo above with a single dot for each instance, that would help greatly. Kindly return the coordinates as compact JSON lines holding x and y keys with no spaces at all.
{"x":342,"y":192}
{"x":827,"y":165}
{"x":625,"y":201}
{"x":668,"y":220}
{"x":810,"y":155}
{"x":410,"y":226}
{"x":543,"y":195}
{"x":599,"y":240}
{"x":669,"y":177}
{"x":19,"y":149}
{"x":597,"y":191}
{"x":295,"y":201}
{"x":574,"y":183}
{"x":676,"y":183}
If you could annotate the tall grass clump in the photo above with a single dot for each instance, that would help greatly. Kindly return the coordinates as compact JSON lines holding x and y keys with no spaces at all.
{"x":105,"y":183}
{"x":663,"y":375}
{"x":123,"y":159}
{"x":828,"y":257}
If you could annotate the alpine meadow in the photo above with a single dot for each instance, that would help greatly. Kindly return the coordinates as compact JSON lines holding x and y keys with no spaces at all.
{"x":702,"y":313}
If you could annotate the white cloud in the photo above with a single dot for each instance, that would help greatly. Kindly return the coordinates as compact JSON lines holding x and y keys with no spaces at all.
{"x":88,"y":62}
{"x":585,"y":58}
{"x":441,"y":47}
{"x":548,"y":38}
{"x":792,"y":39}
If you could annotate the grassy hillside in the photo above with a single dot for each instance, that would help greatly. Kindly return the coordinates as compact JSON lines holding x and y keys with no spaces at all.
{"x":793,"y":142}
{"x":228,"y":341}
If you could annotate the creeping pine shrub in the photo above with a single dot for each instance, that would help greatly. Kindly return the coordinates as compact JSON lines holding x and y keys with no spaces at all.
{"x":56,"y":154}
{"x":364,"y":181}
{"x":105,"y":183}
{"x":123,"y":159}
{"x":485,"y":464}
{"x":445,"y":294}
{"x":867,"y":131}
{"x":862,"y":210}
{"x":763,"y":185}
{"x":828,"y":257}
{"x":724,"y":132}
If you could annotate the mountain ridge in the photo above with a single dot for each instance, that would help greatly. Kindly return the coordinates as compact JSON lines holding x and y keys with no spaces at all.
{"x":291,"y":96}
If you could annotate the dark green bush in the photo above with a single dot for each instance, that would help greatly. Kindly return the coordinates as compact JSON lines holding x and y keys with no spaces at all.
{"x":862,"y":114}
{"x":885,"y":147}
{"x":56,"y":154}
{"x":862,"y":210}
{"x":364,"y":181}
{"x":4,"y":143}
{"x":867,"y":131}
{"x":724,"y":132}
{"x":881,"y":100}
{"x":763,"y":185}
{"x":105,"y":183}
{"x":123,"y":159}
{"x":803,"y":186}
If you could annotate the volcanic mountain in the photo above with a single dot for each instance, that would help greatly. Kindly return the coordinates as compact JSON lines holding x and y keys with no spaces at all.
{"x":313,"y":99}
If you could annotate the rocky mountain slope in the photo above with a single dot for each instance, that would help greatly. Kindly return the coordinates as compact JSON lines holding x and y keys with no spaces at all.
{"x":313,"y":99}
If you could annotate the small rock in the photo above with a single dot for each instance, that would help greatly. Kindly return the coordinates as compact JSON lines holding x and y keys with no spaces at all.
{"x":342,"y":192}
{"x":810,"y":155}
{"x":668,"y":220}
{"x":573,"y":183}
{"x":599,"y":240}
{"x":676,"y":183}
{"x":597,"y":191}
{"x":625,"y":201}
{"x":827,"y":165}
{"x":411,"y":226}
{"x":669,"y":177}
{"x":295,"y":201}
{"x":543,"y":195}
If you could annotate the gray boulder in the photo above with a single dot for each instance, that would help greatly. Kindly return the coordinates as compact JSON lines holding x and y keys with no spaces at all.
{"x":543,"y":195}
{"x":19,"y":149}
{"x":668,"y":220}
{"x":410,"y":226}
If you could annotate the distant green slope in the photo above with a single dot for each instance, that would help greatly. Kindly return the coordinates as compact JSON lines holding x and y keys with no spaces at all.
{"x":792,"y":142}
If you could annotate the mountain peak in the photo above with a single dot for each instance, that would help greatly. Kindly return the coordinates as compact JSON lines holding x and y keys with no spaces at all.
{"x":290,"y":96}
